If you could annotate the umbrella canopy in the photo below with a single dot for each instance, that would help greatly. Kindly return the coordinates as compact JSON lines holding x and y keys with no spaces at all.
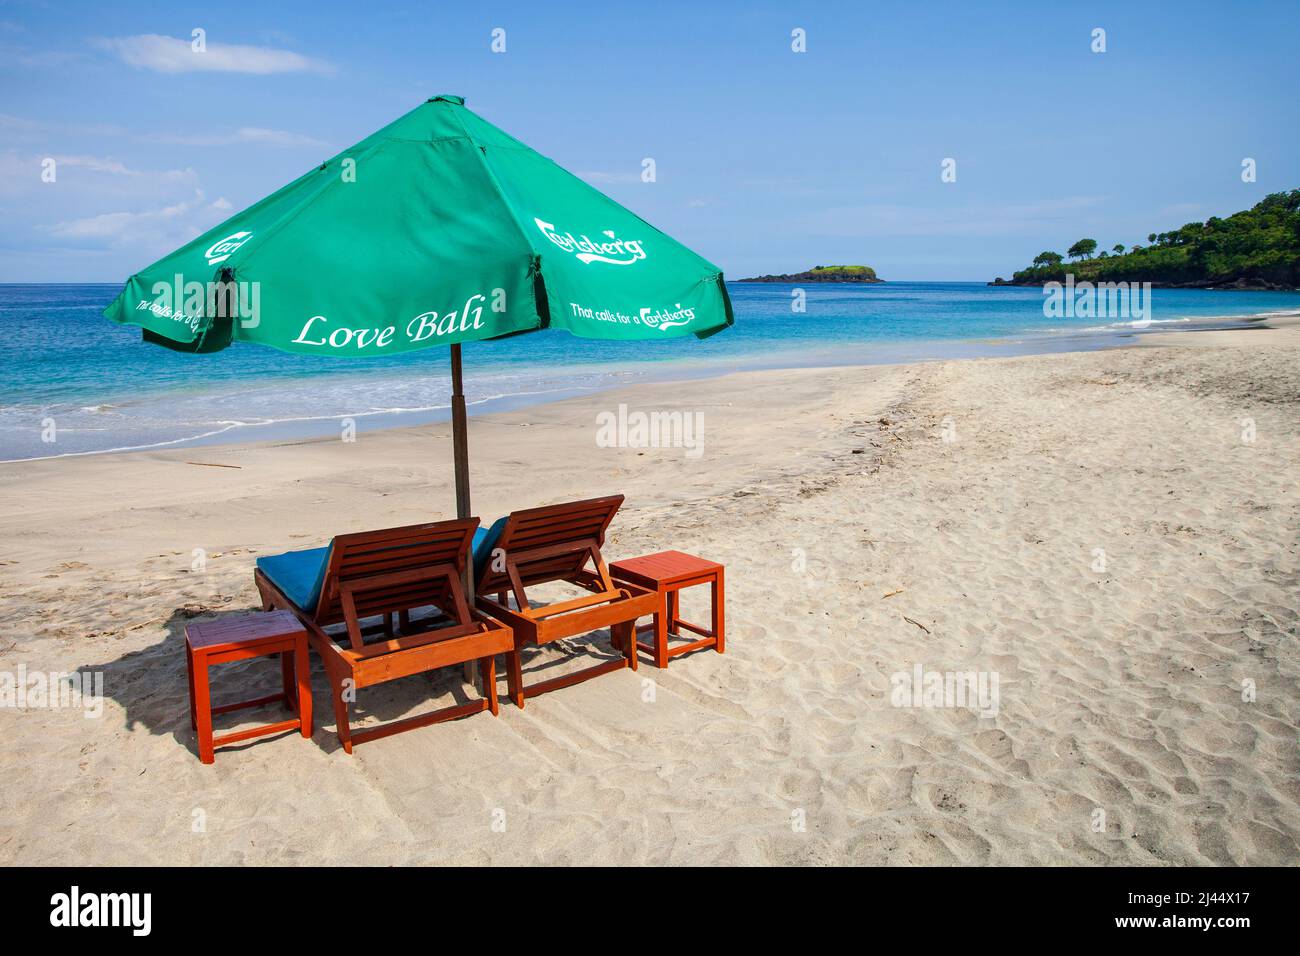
{"x":438,"y":229}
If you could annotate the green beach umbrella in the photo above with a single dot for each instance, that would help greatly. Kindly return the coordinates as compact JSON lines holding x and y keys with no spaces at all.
{"x":438,"y":229}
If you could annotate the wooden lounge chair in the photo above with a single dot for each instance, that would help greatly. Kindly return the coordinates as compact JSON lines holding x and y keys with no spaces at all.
{"x":378,"y":574}
{"x":557,"y":543}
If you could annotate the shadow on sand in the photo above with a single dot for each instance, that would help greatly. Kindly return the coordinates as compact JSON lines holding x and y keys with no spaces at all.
{"x":152,"y":688}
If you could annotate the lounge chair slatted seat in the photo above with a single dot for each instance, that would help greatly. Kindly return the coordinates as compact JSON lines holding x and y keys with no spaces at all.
{"x":558,"y":543}
{"x":387,"y":574}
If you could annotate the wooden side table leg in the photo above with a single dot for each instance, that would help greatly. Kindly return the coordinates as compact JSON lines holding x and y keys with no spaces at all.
{"x":189,"y":675}
{"x":203,"y":709}
{"x":286,"y":679}
{"x":719,"y":612}
{"x":302,"y":671}
{"x":664,"y":622}
{"x":674,"y":612}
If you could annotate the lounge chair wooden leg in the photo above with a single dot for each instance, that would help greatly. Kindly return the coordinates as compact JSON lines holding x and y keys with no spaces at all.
{"x":341,"y":712}
{"x":487,"y":666}
{"x":267,"y":603}
{"x":624,"y":635}
{"x":515,"y":678}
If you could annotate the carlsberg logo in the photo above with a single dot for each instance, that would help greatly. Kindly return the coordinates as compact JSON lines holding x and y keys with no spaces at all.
{"x":617,"y":252}
{"x":220,"y":250}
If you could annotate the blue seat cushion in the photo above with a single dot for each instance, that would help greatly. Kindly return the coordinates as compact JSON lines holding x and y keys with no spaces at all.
{"x":485,"y":539}
{"x":299,"y":574}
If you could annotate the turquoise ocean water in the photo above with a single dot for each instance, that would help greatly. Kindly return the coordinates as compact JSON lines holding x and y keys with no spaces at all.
{"x":104,"y":389}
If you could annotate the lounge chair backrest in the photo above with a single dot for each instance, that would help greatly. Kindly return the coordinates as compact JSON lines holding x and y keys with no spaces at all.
{"x":549,"y":544}
{"x":397,"y":569}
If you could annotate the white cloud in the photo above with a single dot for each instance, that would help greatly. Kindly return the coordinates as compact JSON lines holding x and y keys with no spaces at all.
{"x":162,"y":54}
{"x":21,"y":128}
{"x":162,"y":227}
{"x":98,"y":164}
{"x":29,"y":130}
{"x":115,"y":225}
{"x":81,"y":178}
{"x":11,"y":122}
{"x":243,"y":135}
{"x":100,"y":213}
{"x":82,"y":184}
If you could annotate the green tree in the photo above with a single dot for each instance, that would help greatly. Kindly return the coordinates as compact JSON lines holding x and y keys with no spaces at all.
{"x":1118,"y":249}
{"x":1083,"y":249}
{"x":1260,"y":245}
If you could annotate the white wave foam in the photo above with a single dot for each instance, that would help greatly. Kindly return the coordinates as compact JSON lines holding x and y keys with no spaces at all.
{"x":1133,"y":324}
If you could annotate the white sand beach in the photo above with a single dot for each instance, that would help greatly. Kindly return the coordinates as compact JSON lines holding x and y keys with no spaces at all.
{"x":1114,"y":535}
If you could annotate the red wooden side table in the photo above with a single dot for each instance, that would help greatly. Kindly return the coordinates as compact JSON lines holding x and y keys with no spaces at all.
{"x":240,"y":638}
{"x":668,"y":572}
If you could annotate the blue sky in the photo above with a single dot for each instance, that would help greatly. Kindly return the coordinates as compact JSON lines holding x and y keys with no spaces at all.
{"x":767,"y":160}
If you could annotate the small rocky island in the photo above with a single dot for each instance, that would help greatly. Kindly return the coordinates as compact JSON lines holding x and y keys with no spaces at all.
{"x":824,"y":274}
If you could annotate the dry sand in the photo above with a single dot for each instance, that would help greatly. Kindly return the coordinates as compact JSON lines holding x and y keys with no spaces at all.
{"x":1120,"y":684}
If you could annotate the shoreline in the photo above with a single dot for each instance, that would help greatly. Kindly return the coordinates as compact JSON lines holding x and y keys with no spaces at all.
{"x":883,"y":354}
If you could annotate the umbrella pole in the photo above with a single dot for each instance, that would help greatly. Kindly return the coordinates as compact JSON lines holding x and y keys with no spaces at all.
{"x":459,"y":436}
{"x":460,"y":453}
